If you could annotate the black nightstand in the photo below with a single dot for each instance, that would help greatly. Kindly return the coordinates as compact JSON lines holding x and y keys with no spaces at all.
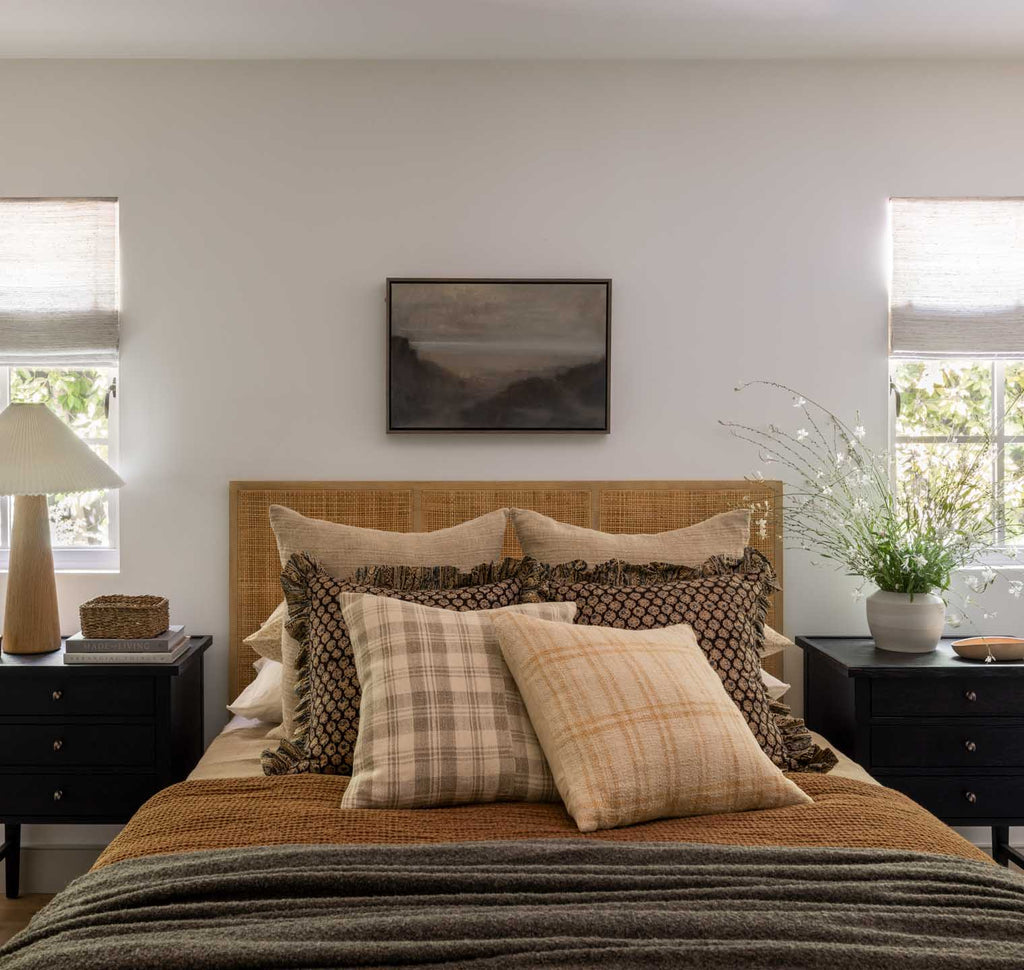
{"x":947,"y":732}
{"x":89,"y":744}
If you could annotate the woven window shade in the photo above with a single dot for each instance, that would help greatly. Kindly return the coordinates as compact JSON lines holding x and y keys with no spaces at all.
{"x":58,"y":282}
{"x":957,"y":278}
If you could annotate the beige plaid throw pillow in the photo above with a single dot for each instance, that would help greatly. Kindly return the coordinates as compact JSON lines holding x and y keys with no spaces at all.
{"x":441,"y":722}
{"x":636,"y":725}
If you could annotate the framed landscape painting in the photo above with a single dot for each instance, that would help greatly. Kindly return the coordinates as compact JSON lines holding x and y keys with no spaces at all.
{"x":498,"y":355}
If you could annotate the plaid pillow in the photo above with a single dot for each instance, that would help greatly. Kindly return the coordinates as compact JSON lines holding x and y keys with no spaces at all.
{"x":327,"y":687}
{"x":442,"y":719}
{"x":725,"y":604}
{"x":636,"y":725}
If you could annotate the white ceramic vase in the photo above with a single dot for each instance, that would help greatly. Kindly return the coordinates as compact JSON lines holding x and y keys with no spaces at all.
{"x":906,"y":625}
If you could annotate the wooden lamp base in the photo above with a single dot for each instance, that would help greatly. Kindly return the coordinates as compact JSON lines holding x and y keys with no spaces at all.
{"x":31,"y":621}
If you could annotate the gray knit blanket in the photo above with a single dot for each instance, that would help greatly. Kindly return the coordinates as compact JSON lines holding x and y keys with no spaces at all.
{"x":548,"y":903}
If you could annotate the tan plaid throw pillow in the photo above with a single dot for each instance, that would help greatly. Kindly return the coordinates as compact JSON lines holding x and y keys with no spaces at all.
{"x":636,"y":725}
{"x":442,"y":722}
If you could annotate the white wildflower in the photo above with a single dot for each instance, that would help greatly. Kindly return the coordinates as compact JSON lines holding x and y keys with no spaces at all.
{"x":989,"y":575}
{"x":860,"y":431}
{"x":758,"y":476}
{"x":990,"y":616}
{"x":840,"y":457}
{"x":799,"y":402}
{"x":819,"y":474}
{"x":1016,"y":588}
{"x":801,"y":434}
{"x":825,"y":490}
{"x":954,"y":620}
{"x":921,"y":560}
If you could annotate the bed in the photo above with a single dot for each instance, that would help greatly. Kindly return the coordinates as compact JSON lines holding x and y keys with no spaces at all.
{"x":234,"y":869}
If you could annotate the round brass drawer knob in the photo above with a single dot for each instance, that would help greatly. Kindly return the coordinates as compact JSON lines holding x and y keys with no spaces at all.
{"x":58,"y":745}
{"x":57,"y":695}
{"x":970,"y":695}
{"x":970,"y":746}
{"x":58,"y":795}
{"x":970,"y":796}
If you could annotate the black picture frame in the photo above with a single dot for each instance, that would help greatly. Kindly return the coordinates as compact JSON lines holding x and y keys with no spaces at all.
{"x":395,"y":427}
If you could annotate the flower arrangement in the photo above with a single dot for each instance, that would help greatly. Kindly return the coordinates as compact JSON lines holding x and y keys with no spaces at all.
{"x":907,"y":529}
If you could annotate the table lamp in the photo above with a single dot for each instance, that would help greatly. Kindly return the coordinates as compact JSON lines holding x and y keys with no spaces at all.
{"x":39,"y":456}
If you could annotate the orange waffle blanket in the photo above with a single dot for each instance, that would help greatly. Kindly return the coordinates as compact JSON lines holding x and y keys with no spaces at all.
{"x":304,"y":809}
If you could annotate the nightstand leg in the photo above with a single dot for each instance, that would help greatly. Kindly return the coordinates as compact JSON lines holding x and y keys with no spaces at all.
{"x":10,"y":852}
{"x":1001,"y":844}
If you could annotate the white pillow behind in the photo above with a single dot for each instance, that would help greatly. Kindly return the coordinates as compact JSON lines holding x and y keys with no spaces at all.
{"x":261,"y":700}
{"x":266,"y":641}
{"x":775,"y":687}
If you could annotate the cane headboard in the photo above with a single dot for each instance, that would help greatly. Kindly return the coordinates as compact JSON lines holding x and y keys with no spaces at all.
{"x":640,"y":506}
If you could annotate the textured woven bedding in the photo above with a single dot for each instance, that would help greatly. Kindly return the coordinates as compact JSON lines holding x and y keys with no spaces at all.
{"x":558,"y":903}
{"x":304,"y":809}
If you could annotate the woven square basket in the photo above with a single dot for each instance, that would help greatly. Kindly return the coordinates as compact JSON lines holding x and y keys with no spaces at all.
{"x":120,"y":617}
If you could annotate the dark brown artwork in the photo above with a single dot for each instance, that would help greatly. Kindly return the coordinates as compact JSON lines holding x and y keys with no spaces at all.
{"x":498,"y":355}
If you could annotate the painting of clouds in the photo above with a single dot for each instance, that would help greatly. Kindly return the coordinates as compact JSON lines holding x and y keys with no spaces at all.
{"x":498,"y":355}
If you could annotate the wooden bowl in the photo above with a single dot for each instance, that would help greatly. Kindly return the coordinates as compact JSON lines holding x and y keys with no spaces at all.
{"x":990,"y":649}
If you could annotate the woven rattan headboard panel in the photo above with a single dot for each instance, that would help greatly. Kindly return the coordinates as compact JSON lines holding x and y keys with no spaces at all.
{"x":424,"y":506}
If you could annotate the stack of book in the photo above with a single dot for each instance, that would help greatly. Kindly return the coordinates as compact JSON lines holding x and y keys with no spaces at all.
{"x":162,"y":649}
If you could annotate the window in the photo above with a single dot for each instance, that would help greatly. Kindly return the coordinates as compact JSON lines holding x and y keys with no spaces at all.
{"x":956,"y":330}
{"x":59,"y":329}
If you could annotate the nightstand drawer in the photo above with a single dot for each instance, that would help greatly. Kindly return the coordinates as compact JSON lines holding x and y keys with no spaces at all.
{"x":51,"y":746}
{"x":947,"y":696}
{"x":965,"y":797}
{"x":60,"y":693}
{"x":66,"y":795}
{"x":926,"y":746}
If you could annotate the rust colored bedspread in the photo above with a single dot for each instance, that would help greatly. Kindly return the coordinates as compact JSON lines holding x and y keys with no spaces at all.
{"x":304,"y":809}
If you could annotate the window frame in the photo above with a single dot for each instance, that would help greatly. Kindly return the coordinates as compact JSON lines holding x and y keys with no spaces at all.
{"x":73,"y":559}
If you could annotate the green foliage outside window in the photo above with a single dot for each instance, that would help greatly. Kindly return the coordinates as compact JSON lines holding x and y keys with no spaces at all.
{"x":951,"y":398}
{"x":943,"y":398}
{"x":77,"y":397}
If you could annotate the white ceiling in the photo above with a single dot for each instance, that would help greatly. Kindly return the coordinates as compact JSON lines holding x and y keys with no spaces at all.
{"x":487,"y":29}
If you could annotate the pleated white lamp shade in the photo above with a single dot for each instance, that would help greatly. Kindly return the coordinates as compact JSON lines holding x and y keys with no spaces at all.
{"x":40,"y":455}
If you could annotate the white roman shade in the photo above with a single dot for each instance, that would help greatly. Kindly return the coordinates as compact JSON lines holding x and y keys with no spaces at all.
{"x":58,"y":282}
{"x":957,"y":278}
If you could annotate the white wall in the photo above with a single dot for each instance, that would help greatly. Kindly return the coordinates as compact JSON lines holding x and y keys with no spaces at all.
{"x":740,"y":209}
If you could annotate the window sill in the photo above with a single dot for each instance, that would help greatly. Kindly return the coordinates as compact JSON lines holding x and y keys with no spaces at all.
{"x":76,"y":560}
